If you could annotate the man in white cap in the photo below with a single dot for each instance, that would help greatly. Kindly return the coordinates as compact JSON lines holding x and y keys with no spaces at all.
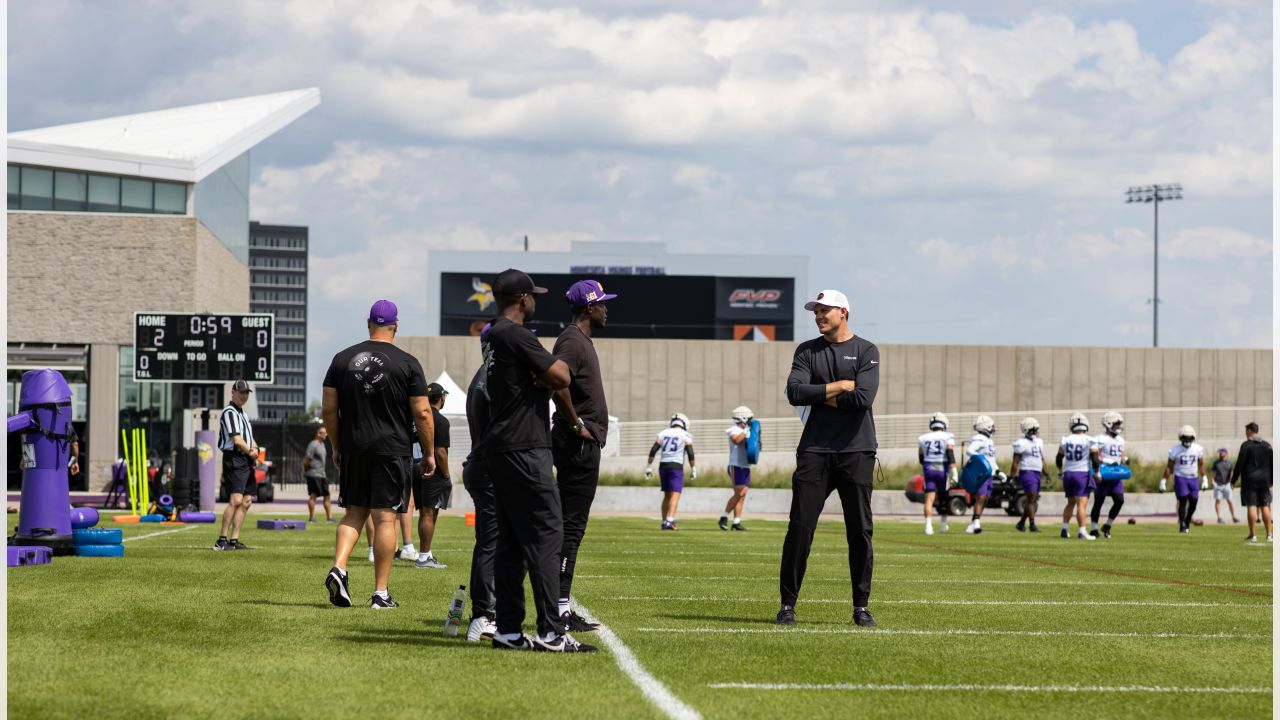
{"x":836,"y":376}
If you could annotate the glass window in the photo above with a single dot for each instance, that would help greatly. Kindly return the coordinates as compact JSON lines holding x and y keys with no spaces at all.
{"x":171,"y":198}
{"x":37,"y":189}
{"x":15,"y":201}
{"x":70,"y":191}
{"x":135,"y":195}
{"x":104,"y":193}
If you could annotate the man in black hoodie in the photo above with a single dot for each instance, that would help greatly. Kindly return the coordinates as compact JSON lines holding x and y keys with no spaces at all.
{"x":1253,"y":470}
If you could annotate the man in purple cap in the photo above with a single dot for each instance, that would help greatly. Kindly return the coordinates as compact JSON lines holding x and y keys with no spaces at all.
{"x":579,"y":428}
{"x":520,"y":374}
{"x":374,"y":393}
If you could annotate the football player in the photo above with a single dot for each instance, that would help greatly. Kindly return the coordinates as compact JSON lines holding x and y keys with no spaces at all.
{"x":937,"y":452}
{"x":982,"y":444}
{"x":1186,"y":464}
{"x":1108,"y":450}
{"x":739,"y":467}
{"x":1075,"y":456}
{"x":675,"y":443}
{"x":1028,"y":467}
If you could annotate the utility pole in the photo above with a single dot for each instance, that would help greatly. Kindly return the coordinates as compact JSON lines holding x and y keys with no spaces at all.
{"x":1154,"y":194}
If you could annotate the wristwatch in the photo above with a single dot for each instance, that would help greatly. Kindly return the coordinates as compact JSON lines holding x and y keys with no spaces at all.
{"x":577,"y":425}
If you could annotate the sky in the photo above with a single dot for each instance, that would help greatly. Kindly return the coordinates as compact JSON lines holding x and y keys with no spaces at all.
{"x":957,"y":168}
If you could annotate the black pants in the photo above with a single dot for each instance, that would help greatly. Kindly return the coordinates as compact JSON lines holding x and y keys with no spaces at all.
{"x":816,"y":476}
{"x":478,"y":484}
{"x":530,"y":532}
{"x":577,"y":464}
{"x":1117,"y":502}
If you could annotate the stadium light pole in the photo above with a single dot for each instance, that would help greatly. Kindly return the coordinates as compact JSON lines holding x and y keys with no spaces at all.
{"x":1154,"y":194}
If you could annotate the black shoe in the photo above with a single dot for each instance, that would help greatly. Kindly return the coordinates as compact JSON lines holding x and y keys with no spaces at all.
{"x":1106,"y":531}
{"x":237,"y":545}
{"x":222,"y":544}
{"x":724,"y":523}
{"x":1022,"y":526}
{"x":739,"y":528}
{"x":562,"y":643}
{"x":668,"y":525}
{"x":862,"y":618}
{"x":378,"y":603}
{"x":336,"y":584}
{"x":977,"y":530}
{"x":786,"y":616}
{"x":1065,"y":535}
{"x":575,"y":623}
{"x":1034,"y":528}
{"x":521,"y":643}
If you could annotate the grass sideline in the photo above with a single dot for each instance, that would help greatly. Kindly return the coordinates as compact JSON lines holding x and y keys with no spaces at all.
{"x":1003,"y":624}
{"x":1146,"y":477}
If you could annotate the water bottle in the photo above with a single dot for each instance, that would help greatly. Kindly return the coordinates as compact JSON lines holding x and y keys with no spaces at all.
{"x":454,"y":620}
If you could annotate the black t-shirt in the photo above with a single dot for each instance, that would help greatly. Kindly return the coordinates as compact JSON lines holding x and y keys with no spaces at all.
{"x":586,"y":388}
{"x":519,"y":418}
{"x":1253,"y":464}
{"x":442,"y":428}
{"x":848,"y":427}
{"x":477,"y":411}
{"x":374,"y":381}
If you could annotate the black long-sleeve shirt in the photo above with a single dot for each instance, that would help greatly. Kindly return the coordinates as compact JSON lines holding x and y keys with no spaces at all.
{"x":1253,"y":464}
{"x":848,"y":427}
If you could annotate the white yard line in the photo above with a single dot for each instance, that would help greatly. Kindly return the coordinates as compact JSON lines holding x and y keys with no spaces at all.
{"x":1067,"y":603}
{"x":650,"y":686}
{"x":929,"y":687}
{"x":951,"y":632}
{"x":161,"y":532}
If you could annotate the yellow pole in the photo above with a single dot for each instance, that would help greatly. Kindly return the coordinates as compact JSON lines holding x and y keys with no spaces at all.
{"x":128,"y":467}
{"x":146,"y":472}
{"x":137,"y":476}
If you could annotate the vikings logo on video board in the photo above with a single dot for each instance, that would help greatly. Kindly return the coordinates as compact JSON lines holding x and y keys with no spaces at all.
{"x":483,"y":295}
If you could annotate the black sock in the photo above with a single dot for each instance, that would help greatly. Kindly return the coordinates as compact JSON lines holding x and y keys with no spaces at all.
{"x":222,"y":537}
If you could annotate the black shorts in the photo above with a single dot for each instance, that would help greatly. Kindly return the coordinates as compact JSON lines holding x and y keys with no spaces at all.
{"x":379,"y":482}
{"x":1255,"y":496}
{"x":237,"y":474}
{"x":432,"y":492}
{"x":318,"y":486}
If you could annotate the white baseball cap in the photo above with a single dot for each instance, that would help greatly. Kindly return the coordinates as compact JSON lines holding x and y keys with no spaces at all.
{"x":830,"y":298}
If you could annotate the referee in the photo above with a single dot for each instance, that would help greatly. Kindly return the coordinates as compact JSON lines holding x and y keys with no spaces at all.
{"x":579,"y":429}
{"x":517,"y":450}
{"x":239,"y":462}
{"x":835,"y":376}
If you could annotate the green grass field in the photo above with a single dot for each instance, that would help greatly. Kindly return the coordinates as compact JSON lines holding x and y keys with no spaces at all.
{"x":1149,"y":624}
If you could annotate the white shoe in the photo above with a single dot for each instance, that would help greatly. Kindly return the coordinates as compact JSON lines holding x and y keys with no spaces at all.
{"x":429,"y":561}
{"x":1270,"y":539}
{"x":928,"y":528}
{"x":971,"y":528}
{"x":944,"y":527}
{"x":481,"y":628}
{"x":370,"y":554}
{"x":1085,"y":536}
{"x":408,"y":554}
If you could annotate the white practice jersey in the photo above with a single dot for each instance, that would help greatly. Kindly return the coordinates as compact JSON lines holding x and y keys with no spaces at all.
{"x":1075,"y":452}
{"x":1110,"y":448}
{"x":1031,"y":450}
{"x":934,"y":445}
{"x":671,"y":444}
{"x":738,"y":453}
{"x":1186,"y":460}
{"x":981,"y":445}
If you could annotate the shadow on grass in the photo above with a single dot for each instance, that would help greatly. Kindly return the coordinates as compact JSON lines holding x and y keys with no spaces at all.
{"x":736,"y":622}
{"x":414,"y":639}
{"x":281,"y":603}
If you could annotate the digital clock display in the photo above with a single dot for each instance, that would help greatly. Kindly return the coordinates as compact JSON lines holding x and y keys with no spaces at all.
{"x":203,"y":347}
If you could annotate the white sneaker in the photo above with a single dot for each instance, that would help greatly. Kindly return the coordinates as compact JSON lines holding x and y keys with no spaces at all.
{"x":943,"y":526}
{"x":971,"y":528}
{"x":1085,"y":536}
{"x":1270,"y":539}
{"x":370,"y":554}
{"x":409,"y":554}
{"x":429,"y":561}
{"x":928,"y":528}
{"x":481,"y":628}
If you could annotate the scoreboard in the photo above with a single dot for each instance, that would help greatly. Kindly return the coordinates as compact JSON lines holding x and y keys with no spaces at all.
{"x":203,"y":347}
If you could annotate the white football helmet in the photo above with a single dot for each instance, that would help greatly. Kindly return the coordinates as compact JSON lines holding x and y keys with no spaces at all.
{"x":1029,"y":426}
{"x":1186,"y":434}
{"x":742,"y":413}
{"x":938,"y":421}
{"x":1078,"y":420}
{"x":681,"y":420}
{"x":1112,"y":422}
{"x":985,"y":425}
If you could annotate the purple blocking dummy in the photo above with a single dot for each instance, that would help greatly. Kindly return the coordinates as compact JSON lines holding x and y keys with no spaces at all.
{"x":44,"y":419}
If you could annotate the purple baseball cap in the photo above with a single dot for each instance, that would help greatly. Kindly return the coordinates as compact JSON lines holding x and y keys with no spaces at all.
{"x":384,"y":312}
{"x":586,"y":292}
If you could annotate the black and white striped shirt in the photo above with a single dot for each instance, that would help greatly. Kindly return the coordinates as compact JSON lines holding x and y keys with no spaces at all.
{"x":233,"y":422}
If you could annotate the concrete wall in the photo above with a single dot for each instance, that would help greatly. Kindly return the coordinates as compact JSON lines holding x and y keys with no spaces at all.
{"x":650,"y":379}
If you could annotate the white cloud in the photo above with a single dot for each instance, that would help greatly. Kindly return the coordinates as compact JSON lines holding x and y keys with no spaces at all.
{"x":1218,"y":243}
